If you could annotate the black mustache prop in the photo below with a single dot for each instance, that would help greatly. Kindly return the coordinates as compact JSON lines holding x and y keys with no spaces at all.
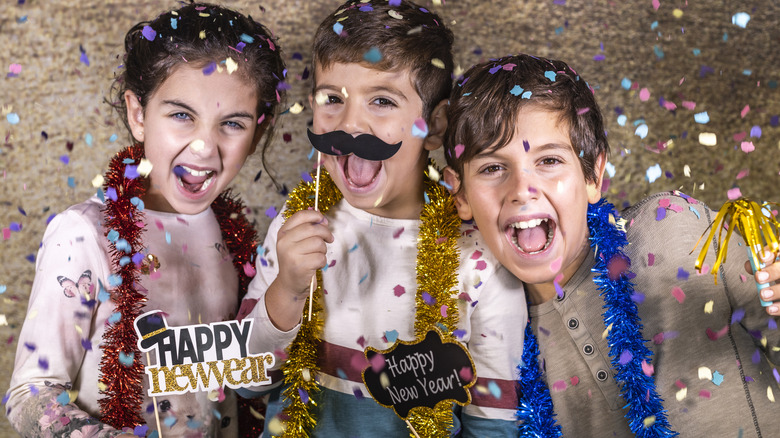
{"x":365,"y":146}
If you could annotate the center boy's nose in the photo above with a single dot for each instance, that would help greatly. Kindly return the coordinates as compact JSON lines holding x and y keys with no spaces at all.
{"x":353,"y":119}
{"x":522,"y":187}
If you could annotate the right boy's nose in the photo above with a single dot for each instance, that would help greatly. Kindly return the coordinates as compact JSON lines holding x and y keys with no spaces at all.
{"x":353,"y":120}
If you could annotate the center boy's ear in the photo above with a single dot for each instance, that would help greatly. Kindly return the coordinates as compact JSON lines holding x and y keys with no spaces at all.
{"x":135,"y":115}
{"x":436,"y":127}
{"x":452,"y":180}
{"x":594,"y":187}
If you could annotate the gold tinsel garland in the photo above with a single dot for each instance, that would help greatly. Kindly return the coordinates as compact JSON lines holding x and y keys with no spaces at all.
{"x":437,"y":266}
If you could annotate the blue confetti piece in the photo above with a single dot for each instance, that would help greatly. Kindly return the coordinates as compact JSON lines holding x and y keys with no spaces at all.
{"x":140,"y":430}
{"x":445,"y":185}
{"x":86,"y":344}
{"x":428,"y":299}
{"x":740,"y":19}
{"x":659,"y":53}
{"x":271,"y":212}
{"x":696,"y":52}
{"x":610,"y":168}
{"x":43,"y":363}
{"x":122,"y":245}
{"x":373,"y":55}
{"x":247,"y":38}
{"x":516,"y":90}
{"x":112,"y":235}
{"x":341,"y":373}
{"x":353,"y":248}
{"x":88,"y":139}
{"x":114,"y":280}
{"x":63,"y":398}
{"x":311,"y":154}
{"x":154,"y":434}
{"x":682,"y":274}
{"x":391,"y":335}
{"x":363,"y":278}
{"x":526,"y":95}
{"x":717,"y":378}
{"x":126,"y":359}
{"x":774,"y":373}
{"x":114,"y":317}
{"x":641,"y":130}
{"x":338,"y":28}
{"x":420,"y":131}
{"x":626,"y":83}
{"x":174,"y":23}
{"x":694,"y":212}
{"x":103,"y":294}
{"x":755,"y":131}
{"x":427,"y":199}
{"x":124,"y":261}
{"x":209,"y":69}
{"x":111,"y":193}
{"x":71,"y":182}
{"x":549,"y":74}
{"x":84,"y":58}
{"x":304,"y":395}
{"x":193,"y":424}
{"x":306,"y":177}
{"x":526,"y":145}
{"x":15,"y":226}
{"x":65,"y":159}
{"x":737,"y":315}
{"x":3,"y":288}
{"x":170,"y":421}
{"x":653,"y":173}
{"x":12,"y":118}
{"x":168,"y":237}
{"x":494,"y":389}
{"x":702,"y":118}
{"x":625,"y":357}
{"x":149,"y":33}
{"x":653,"y":25}
{"x":622,"y":120}
{"x":30,"y":258}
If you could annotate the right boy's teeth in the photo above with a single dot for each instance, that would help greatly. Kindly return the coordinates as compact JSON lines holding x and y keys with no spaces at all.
{"x":194,"y":172}
{"x":528,"y":224}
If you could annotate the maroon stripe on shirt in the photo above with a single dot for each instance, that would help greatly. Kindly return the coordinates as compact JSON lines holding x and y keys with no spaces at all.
{"x":486,"y":399}
{"x":339,"y":361}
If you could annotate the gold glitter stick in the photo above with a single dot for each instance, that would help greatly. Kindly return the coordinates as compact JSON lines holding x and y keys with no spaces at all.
{"x":757,"y":225}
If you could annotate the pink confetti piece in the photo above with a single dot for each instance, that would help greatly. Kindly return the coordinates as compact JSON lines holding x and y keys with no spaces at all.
{"x":378,"y":362}
{"x":644,"y":94}
{"x":679,"y":384}
{"x":734,"y":193}
{"x":743,"y":173}
{"x":582,"y":111}
{"x":714,"y":336}
{"x":687,"y":104}
{"x":739,"y":136}
{"x":481,"y":265}
{"x":647,"y":368}
{"x":459,"y":148}
{"x":744,"y":111}
{"x":705,"y":394}
{"x":656,"y":4}
{"x":249,"y":270}
{"x":398,"y":232}
{"x":678,"y":294}
{"x":650,"y":259}
{"x":747,"y":147}
{"x":443,"y":310}
{"x":676,"y":208}
{"x":476,"y":254}
{"x":574,"y":380}
{"x":559,"y":385}
{"x":555,"y":266}
{"x":465,"y":374}
{"x":664,"y":202}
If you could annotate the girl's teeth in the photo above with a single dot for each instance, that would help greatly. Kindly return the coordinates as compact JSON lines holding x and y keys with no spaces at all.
{"x":194,"y":172}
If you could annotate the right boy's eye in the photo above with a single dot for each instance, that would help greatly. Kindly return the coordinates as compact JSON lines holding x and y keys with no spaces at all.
{"x":491,"y":169}
{"x":383,"y":101}
{"x":180,"y":116}
{"x":333,"y":99}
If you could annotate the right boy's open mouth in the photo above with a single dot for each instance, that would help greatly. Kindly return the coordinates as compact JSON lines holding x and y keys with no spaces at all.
{"x":359,"y":172}
{"x":532,"y":236}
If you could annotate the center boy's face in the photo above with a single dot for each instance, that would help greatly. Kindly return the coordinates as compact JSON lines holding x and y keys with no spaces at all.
{"x":360,"y":100}
{"x":529,"y":200}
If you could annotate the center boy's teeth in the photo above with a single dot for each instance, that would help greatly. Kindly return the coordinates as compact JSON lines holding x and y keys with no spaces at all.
{"x":532,"y":236}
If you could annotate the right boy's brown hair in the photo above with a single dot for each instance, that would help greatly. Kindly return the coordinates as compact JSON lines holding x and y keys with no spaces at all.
{"x":388,"y":36}
{"x":484,"y":108}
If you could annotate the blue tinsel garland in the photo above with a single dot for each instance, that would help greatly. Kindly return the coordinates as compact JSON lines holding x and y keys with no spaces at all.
{"x":646,"y":415}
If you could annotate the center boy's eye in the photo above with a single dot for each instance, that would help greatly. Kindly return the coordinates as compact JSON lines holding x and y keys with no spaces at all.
{"x":333,"y":99}
{"x":383,"y":101}
{"x":490,"y":168}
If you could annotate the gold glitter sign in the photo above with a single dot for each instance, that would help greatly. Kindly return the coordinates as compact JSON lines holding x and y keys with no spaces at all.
{"x":201,"y":357}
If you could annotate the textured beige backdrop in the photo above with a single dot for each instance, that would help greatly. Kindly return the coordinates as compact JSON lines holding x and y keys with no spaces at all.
{"x":692,"y":54}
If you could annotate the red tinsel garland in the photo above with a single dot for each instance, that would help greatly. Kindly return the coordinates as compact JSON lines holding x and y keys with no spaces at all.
{"x":121,"y":407}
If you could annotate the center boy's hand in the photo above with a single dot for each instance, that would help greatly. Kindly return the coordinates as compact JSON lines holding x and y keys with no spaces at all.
{"x":769,"y":274}
{"x":301,"y":249}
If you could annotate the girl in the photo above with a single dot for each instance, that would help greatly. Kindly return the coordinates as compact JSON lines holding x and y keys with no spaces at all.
{"x":198,"y":92}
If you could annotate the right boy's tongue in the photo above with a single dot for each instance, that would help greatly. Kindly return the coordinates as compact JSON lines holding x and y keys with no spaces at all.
{"x":531,"y":239}
{"x":361,"y":172}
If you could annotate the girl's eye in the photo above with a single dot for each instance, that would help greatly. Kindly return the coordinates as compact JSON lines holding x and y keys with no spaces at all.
{"x":181,"y":116}
{"x":234,"y":125}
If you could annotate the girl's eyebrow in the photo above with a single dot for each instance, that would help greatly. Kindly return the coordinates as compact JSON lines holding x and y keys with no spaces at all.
{"x":238,"y":114}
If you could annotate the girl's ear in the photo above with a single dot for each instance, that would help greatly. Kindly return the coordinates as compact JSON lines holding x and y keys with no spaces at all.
{"x":135,"y":115}
{"x":461,"y":202}
{"x":436,"y":127}
{"x":594,"y":187}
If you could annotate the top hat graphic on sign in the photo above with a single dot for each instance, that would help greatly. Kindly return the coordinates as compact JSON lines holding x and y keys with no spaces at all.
{"x":150,"y":326}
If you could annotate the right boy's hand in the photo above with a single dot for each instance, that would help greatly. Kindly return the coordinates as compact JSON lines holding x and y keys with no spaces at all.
{"x":301,"y":249}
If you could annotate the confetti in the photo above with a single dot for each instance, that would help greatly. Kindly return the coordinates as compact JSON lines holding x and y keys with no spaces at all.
{"x":12,"y":118}
{"x":708,"y":139}
{"x":740,"y":19}
{"x":702,"y":118}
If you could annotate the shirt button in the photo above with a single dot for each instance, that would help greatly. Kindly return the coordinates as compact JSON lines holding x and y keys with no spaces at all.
{"x":561,"y":296}
{"x":602,"y":375}
{"x":587,"y":349}
{"x":573,"y":323}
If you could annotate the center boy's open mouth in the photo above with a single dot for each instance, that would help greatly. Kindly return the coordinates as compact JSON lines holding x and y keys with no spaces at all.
{"x":358,"y":172}
{"x":192,"y":180}
{"x":532,"y":236}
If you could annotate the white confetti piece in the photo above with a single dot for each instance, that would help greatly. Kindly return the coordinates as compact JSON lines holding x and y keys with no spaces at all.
{"x":297,"y":108}
{"x":705,"y":373}
{"x":197,"y":145}
{"x":708,"y":138}
{"x":97,"y":181}
{"x":144,"y":167}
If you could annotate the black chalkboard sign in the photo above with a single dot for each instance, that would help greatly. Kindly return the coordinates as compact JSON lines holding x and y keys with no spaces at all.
{"x":422,"y":373}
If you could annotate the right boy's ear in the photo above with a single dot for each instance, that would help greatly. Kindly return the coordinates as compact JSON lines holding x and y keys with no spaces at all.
{"x":135,"y":115}
{"x":436,"y":127}
{"x":461,"y":202}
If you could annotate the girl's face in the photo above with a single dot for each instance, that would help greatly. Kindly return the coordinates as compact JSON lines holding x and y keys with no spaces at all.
{"x":197,"y":131}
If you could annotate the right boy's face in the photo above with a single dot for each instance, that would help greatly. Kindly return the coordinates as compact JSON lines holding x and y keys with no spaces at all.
{"x":529,"y":200}
{"x":361,"y":100}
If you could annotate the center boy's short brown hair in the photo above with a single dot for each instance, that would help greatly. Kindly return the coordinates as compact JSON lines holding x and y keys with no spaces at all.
{"x":388,"y":36}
